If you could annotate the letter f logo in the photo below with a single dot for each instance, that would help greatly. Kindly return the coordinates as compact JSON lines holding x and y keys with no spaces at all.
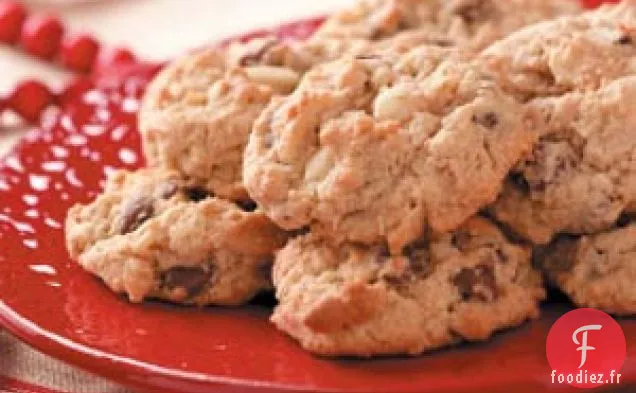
{"x":583,"y":344}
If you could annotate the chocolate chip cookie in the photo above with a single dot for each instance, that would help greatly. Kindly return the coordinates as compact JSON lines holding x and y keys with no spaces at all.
{"x":596,"y":271}
{"x":198,"y":113}
{"x":377,"y":149}
{"x":473,"y":23}
{"x":153,"y":235}
{"x":581,"y":52}
{"x":581,"y":175}
{"x":358,"y":300}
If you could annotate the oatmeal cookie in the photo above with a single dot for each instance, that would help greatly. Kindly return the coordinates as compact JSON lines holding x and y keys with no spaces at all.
{"x":582,"y":52}
{"x":581,"y":175}
{"x":197,"y":115}
{"x":473,"y":23}
{"x":368,"y":151}
{"x":152,"y":235}
{"x":597,"y":271}
{"x":357,"y":300}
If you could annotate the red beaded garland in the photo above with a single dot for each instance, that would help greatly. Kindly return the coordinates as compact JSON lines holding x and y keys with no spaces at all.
{"x":41,"y":36}
{"x":29,"y":99}
{"x":12,"y":16}
{"x":77,"y":87}
{"x":78,"y":52}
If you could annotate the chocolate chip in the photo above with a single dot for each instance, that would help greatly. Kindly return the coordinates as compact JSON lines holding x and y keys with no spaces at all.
{"x":473,"y":10}
{"x":624,"y":220}
{"x":417,"y":255}
{"x":367,"y":57}
{"x":560,"y":256}
{"x":383,"y":251}
{"x":558,"y":262}
{"x":539,"y":254}
{"x":247,"y":205}
{"x":255,"y":56}
{"x":197,"y":194}
{"x":520,"y":182}
{"x":419,"y":264}
{"x":476,"y":283}
{"x":192,"y":279}
{"x":460,"y":239}
{"x":400,"y":284}
{"x":135,"y":212}
{"x":166,"y":190}
{"x":418,"y":244}
{"x":487,"y":119}
{"x":624,"y":40}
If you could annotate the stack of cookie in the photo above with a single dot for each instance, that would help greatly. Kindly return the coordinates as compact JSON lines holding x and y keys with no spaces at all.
{"x":394,"y":177}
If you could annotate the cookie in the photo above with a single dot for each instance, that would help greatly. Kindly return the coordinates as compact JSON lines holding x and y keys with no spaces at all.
{"x":596,"y":271}
{"x":151,"y":235}
{"x":581,"y":52}
{"x":473,"y":23}
{"x":581,"y":175}
{"x":367,"y":151}
{"x":357,"y":300}
{"x":197,"y":115}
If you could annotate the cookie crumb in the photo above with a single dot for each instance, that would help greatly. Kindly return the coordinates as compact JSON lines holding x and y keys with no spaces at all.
{"x":135,"y":212}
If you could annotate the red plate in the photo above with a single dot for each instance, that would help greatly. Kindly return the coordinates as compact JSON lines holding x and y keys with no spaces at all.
{"x":49,"y":302}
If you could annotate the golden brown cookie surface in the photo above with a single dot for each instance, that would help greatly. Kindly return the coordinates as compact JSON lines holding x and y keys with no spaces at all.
{"x":151,"y":235}
{"x":357,"y":300}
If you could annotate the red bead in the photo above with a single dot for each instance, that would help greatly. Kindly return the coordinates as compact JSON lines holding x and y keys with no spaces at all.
{"x":75,"y":90}
{"x":12,"y":16}
{"x":41,"y":36}
{"x":78,"y":53}
{"x":29,"y":99}
{"x":109,"y":57}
